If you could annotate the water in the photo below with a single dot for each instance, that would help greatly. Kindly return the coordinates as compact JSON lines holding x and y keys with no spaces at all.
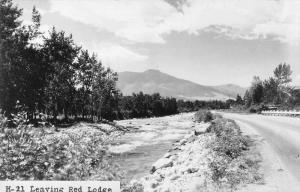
{"x":137,"y":150}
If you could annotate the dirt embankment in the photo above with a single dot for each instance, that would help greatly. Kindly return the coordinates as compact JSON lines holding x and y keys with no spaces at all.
{"x":216,"y":157}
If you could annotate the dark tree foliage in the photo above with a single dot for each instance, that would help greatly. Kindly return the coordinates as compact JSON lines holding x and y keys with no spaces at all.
{"x":9,"y":24}
{"x":273,"y":91}
{"x":19,"y":59}
{"x":60,"y":52}
{"x":239,"y":100}
{"x":256,"y":90}
{"x":247,"y":99}
{"x":187,"y":106}
{"x":145,"y":105}
{"x":55,"y":77}
{"x":295,"y":99}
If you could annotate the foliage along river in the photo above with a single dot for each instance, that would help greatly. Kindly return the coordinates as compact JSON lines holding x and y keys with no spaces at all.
{"x":136,"y":151}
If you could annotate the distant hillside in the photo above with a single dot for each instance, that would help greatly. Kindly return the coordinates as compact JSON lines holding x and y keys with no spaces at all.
{"x":152,"y":81}
{"x":231,"y":89}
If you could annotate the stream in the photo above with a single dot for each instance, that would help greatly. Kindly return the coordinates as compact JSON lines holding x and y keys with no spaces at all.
{"x":137,"y":150}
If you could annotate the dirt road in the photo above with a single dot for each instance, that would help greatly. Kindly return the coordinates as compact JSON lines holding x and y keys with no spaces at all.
{"x":279,"y":143}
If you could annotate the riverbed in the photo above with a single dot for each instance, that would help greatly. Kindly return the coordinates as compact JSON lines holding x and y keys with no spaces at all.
{"x":150,"y":139}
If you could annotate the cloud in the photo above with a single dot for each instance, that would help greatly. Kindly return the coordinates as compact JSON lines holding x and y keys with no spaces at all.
{"x":135,"y":20}
{"x":28,"y":5}
{"x":118,"y":57}
{"x":246,"y":19}
{"x":148,"y":21}
{"x":297,"y":80}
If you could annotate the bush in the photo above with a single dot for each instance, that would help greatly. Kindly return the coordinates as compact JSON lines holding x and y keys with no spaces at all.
{"x":230,"y":164}
{"x":203,"y":115}
{"x":252,"y":110}
{"x":229,"y":140}
{"x":28,"y":153}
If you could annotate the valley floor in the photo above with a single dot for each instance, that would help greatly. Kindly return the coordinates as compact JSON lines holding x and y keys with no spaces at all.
{"x":174,"y":153}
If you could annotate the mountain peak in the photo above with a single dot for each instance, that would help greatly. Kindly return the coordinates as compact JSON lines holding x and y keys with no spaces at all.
{"x":152,"y":71}
{"x":154,"y":81}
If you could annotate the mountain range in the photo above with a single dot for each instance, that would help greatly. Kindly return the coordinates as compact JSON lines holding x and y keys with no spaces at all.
{"x":155,"y":81}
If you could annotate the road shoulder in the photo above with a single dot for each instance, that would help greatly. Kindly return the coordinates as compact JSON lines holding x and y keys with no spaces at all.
{"x":276,"y":175}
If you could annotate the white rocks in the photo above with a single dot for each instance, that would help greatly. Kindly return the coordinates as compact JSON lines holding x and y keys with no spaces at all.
{"x":182,"y":170}
{"x":200,"y":128}
{"x":161,"y":163}
{"x":167,"y":155}
{"x":182,"y":141}
{"x":174,"y":177}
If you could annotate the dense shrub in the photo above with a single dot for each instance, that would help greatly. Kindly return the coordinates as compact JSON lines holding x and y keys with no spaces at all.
{"x":28,"y":153}
{"x":230,"y":141}
{"x":252,"y":110}
{"x":230,"y":164}
{"x":203,"y":115}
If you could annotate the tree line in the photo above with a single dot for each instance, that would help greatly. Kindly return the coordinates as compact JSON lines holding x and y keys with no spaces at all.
{"x":187,"y":106}
{"x":50,"y":74}
{"x":145,"y":105}
{"x":53,"y":77}
{"x":275,"y":91}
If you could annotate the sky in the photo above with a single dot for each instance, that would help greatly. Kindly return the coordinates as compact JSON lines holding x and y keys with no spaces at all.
{"x":210,"y":42}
